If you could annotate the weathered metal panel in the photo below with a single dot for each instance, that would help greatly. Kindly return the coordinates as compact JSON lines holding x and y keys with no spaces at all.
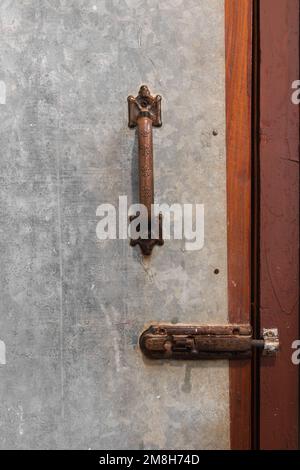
{"x":72,"y":307}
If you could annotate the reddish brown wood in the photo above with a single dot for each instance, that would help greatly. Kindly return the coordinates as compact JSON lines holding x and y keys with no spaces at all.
{"x":279,"y":219}
{"x":238,"y":27}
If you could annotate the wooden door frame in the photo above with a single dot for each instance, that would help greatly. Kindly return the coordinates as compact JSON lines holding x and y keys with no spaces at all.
{"x":238,"y":46}
{"x":262,"y":61}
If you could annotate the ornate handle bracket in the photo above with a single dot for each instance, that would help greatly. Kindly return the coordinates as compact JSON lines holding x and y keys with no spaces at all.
{"x":144,"y":111}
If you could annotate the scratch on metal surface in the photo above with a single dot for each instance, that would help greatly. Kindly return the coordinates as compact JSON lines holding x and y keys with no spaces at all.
{"x":20,"y":414}
{"x":2,"y":92}
{"x":59,"y":226}
{"x":115,"y":339}
{"x":2,"y":353}
{"x":139,"y":36}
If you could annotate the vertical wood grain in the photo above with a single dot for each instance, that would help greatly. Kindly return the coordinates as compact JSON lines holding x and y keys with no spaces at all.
{"x":238,"y":27}
{"x":279,"y":219}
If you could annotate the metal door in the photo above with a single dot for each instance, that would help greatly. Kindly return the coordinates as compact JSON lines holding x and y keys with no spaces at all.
{"x":73,"y":306}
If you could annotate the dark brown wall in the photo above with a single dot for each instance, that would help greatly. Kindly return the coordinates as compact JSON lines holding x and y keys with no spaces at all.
{"x":279,"y":219}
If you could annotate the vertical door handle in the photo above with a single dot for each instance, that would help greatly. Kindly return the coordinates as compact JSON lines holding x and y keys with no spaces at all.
{"x":144,"y":111}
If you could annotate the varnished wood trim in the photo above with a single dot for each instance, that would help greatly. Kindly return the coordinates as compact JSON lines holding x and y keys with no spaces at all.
{"x":238,"y":39}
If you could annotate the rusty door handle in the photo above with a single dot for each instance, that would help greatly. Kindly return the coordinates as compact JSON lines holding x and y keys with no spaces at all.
{"x":144,"y":111}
